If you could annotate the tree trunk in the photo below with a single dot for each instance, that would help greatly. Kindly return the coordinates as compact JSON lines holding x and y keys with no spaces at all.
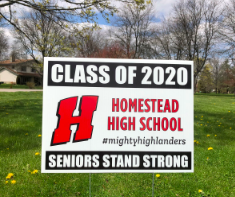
{"x":195,"y":84}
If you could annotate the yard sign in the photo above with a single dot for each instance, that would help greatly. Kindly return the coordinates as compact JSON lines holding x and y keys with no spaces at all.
{"x":117,"y":115}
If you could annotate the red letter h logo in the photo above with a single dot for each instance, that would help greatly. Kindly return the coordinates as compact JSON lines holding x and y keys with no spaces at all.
{"x":65,"y":111}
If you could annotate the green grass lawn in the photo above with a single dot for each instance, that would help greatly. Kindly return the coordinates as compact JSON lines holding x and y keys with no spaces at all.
{"x":8,"y":86}
{"x":20,"y":125}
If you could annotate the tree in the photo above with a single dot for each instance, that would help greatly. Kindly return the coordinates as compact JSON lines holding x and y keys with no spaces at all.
{"x":227,"y":30}
{"x":3,"y":45}
{"x":18,"y":50}
{"x":216,"y":73}
{"x":162,"y":42}
{"x":205,"y":83}
{"x":42,"y":36}
{"x":62,"y":10}
{"x":189,"y":33}
{"x":132,"y":30}
{"x":88,"y":43}
{"x":115,"y":50}
{"x":227,"y":77}
{"x":232,"y":81}
{"x":96,"y":44}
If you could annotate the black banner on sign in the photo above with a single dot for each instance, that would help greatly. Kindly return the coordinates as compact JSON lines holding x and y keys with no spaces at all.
{"x":110,"y":160}
{"x":120,"y":75}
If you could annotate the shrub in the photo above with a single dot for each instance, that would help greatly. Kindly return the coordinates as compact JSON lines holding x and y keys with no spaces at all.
{"x":31,"y":85}
{"x":12,"y":83}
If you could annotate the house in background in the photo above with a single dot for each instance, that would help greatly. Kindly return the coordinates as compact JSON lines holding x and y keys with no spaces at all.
{"x":19,"y":71}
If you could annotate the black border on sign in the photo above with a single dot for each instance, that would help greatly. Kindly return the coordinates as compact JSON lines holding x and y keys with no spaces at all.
{"x":113,"y":66}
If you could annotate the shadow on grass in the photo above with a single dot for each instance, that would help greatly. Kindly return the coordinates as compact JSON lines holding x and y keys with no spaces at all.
{"x":16,"y":140}
{"x":225,"y":131}
{"x":20,"y":124}
{"x":9,"y":86}
{"x":212,"y":94}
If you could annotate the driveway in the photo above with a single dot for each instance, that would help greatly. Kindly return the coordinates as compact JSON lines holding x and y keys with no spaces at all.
{"x":20,"y":90}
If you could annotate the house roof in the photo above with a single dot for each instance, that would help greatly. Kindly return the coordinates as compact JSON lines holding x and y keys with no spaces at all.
{"x":21,"y":73}
{"x":29,"y":74}
{"x":17,"y":61}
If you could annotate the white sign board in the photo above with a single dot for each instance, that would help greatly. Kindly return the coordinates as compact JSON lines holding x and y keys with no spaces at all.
{"x":117,"y":115}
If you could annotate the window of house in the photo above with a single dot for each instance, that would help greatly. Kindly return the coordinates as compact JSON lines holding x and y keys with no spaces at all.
{"x":33,"y":70}
{"x":23,"y":68}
